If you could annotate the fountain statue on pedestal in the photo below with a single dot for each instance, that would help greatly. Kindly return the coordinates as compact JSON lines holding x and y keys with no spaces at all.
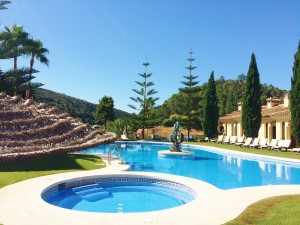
{"x":176,"y":138}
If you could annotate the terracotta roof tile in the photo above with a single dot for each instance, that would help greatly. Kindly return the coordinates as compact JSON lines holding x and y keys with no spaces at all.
{"x":275,"y":111}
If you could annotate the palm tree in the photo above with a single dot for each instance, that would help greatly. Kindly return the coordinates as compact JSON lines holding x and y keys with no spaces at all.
{"x":37,"y":51}
{"x":2,"y":3}
{"x":13,"y":42}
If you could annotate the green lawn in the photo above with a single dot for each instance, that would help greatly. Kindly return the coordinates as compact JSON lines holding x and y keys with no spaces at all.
{"x":14,"y":172}
{"x":276,"y":210}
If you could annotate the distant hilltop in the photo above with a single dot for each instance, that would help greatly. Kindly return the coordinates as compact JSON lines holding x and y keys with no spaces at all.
{"x":75,"y":107}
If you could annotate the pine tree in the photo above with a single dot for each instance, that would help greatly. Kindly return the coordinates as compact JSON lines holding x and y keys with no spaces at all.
{"x":251,"y":111}
{"x":105,"y":110}
{"x":295,"y":97}
{"x":145,"y":100}
{"x":189,"y":104}
{"x":210,"y":111}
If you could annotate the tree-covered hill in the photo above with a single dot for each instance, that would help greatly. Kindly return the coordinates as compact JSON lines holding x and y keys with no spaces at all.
{"x":229,"y":93}
{"x":74,"y":106}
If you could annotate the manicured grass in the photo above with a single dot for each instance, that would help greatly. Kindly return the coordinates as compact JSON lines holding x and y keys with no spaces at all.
{"x":15,"y":172}
{"x":276,"y":210}
{"x":284,"y":154}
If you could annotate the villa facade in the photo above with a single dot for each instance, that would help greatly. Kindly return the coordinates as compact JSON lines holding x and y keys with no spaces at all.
{"x":275,"y":124}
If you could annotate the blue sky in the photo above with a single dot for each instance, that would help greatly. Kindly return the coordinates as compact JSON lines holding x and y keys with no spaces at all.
{"x":97,"y":47}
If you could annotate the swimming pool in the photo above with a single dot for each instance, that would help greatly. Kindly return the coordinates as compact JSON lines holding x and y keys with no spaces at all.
{"x":223,"y":170}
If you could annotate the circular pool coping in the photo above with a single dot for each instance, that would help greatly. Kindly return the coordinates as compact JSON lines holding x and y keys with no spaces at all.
{"x":127,"y":179}
{"x":183,"y":154}
{"x":21,"y":203}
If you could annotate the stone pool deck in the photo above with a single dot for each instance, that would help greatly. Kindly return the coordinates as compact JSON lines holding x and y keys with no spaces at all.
{"x":21,"y":203}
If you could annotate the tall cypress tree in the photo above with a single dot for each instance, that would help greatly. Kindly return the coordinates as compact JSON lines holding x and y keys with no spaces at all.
{"x":251,"y":111}
{"x":145,"y":99}
{"x":295,"y":97}
{"x":210,"y":111}
{"x":188,"y":104}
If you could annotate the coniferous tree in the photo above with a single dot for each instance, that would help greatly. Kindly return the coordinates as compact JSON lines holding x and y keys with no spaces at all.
{"x":251,"y":111}
{"x":189,"y":105}
{"x":210,"y":111}
{"x":145,"y":99}
{"x":105,"y":110}
{"x":295,"y":97}
{"x":222,"y":102}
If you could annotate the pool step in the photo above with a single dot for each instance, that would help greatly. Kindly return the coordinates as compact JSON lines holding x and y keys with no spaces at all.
{"x":120,"y":208}
{"x":93,"y":192}
{"x":85,"y":187}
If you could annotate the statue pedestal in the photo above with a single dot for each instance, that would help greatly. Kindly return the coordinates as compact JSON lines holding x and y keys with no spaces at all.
{"x":183,"y":154}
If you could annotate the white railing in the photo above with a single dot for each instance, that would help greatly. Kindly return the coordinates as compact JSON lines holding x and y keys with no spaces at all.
{"x":114,"y":148}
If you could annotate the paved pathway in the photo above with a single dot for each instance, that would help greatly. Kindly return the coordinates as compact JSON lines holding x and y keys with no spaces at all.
{"x":21,"y":203}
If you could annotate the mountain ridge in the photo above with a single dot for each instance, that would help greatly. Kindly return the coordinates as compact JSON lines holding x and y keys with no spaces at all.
{"x":74,"y":106}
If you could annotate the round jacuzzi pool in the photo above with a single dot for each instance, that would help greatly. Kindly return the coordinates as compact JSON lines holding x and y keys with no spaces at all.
{"x":118,"y":194}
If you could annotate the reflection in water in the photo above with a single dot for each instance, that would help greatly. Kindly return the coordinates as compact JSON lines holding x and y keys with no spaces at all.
{"x":223,"y":171}
{"x":267,"y":169}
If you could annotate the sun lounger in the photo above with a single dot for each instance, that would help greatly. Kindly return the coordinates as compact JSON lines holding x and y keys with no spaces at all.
{"x":240,"y":141}
{"x":273,"y":143}
{"x":282,"y":145}
{"x":226,"y":140}
{"x":255,"y":143}
{"x":220,"y":139}
{"x":123,"y":137}
{"x":247,"y":142}
{"x":233,"y":139}
{"x":296,"y":150}
{"x":262,"y":142}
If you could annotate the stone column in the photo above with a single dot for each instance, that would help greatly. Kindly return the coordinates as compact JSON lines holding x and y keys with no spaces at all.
{"x":262,"y":130}
{"x":287,"y":131}
{"x":270,"y":131}
{"x":279,"y":130}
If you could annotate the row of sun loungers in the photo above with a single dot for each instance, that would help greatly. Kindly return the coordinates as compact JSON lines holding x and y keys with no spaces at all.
{"x":261,"y":143}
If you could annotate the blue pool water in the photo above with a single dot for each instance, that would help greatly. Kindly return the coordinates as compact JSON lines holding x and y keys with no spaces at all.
{"x":220,"y":170}
{"x":119,"y":197}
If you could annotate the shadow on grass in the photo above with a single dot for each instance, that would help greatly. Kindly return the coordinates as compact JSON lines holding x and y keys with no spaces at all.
{"x":57,"y":162}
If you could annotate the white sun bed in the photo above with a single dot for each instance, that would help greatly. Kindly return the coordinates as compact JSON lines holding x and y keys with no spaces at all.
{"x":255,"y":143}
{"x":240,"y":141}
{"x":226,"y":140}
{"x":272,"y":144}
{"x":282,"y":145}
{"x":263,"y":142}
{"x":247,"y":142}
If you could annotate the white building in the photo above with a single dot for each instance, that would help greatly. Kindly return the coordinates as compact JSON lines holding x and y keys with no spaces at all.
{"x":275,"y":124}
